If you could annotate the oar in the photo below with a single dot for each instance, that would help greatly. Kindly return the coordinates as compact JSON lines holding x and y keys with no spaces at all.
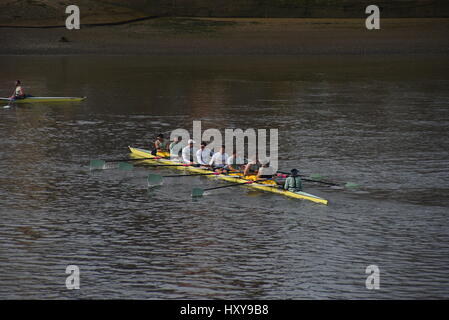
{"x":100,"y":164}
{"x":134,"y":159}
{"x":198,"y":192}
{"x":6,"y":100}
{"x":316,"y":176}
{"x":286,"y":174}
{"x":157,"y":179}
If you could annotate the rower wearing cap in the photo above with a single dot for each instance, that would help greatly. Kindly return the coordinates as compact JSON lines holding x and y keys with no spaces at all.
{"x":265,"y":172}
{"x":218,"y":160}
{"x":188,"y":153}
{"x":293,"y":183}
{"x":203,"y":155}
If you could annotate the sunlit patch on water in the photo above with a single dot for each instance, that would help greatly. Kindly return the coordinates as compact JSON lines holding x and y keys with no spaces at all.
{"x":82,"y":122}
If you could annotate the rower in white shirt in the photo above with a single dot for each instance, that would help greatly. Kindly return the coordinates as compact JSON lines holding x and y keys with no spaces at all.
{"x":234,"y":163}
{"x":265,"y":172}
{"x":218,"y":160}
{"x":176,"y":148}
{"x":203,"y":155}
{"x":188,"y":153}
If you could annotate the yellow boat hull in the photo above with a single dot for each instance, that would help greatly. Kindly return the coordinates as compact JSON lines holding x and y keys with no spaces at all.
{"x":267,"y":186}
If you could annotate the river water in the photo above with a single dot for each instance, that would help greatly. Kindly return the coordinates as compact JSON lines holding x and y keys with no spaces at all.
{"x":381,"y":122}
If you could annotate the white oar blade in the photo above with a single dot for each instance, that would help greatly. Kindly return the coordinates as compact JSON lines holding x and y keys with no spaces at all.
{"x":351,"y":185}
{"x":316,"y":176}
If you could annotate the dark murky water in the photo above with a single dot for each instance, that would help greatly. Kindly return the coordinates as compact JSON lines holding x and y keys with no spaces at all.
{"x":380,"y":122}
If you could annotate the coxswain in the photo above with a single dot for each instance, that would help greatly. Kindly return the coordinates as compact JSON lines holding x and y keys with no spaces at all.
{"x":293,"y":183}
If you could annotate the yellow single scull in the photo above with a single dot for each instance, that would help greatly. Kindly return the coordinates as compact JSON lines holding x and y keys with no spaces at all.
{"x":43,"y":99}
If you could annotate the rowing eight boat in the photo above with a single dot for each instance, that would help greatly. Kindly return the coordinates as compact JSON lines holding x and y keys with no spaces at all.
{"x":43,"y":99}
{"x":265,"y":185}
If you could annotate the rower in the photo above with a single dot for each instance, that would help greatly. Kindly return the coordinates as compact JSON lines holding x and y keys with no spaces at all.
{"x":19,"y":93}
{"x":177,"y":143}
{"x":188,"y":153}
{"x":203,"y":155}
{"x":161,"y":145}
{"x":265,"y":172}
{"x":252,"y":167}
{"x":293,"y":183}
{"x":218,"y":160}
{"x":234,"y":163}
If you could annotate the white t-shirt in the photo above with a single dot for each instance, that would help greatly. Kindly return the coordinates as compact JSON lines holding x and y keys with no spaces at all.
{"x":175,"y":148}
{"x":18,"y":90}
{"x":265,"y":171}
{"x":187,"y":153}
{"x":203,"y":156}
{"x":231,"y":161}
{"x":219,"y":159}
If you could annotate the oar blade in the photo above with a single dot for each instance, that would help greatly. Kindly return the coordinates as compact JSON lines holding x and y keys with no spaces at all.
{"x":351,"y":185}
{"x":125,"y":166}
{"x":197,"y":192}
{"x":316,"y":176}
{"x":154,"y":179}
{"x":97,"y":164}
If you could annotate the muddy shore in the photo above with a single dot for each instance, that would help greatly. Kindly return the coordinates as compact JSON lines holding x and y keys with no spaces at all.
{"x":234,"y":36}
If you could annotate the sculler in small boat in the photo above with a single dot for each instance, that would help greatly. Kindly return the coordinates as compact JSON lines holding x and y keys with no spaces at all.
{"x":19,"y":93}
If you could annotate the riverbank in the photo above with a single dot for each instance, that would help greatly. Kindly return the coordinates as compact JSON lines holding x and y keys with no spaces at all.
{"x":234,"y":36}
